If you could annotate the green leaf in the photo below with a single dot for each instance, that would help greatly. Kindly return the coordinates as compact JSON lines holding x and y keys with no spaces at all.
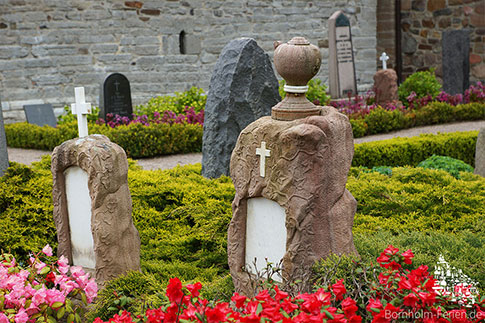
{"x":328,"y":314}
{"x":50,"y":319}
{"x":259,"y":309}
{"x":61,"y":312}
{"x":45,"y":270}
{"x":56,"y":305}
{"x":70,"y":318}
{"x":83,"y":297}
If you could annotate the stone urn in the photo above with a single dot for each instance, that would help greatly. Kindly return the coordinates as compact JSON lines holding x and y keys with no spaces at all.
{"x":297,"y":62}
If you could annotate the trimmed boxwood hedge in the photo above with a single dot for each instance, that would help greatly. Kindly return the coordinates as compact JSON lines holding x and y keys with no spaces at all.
{"x":411,"y":151}
{"x":136,"y":139}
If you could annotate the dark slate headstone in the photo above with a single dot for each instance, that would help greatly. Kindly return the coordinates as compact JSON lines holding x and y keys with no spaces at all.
{"x":116,"y":97}
{"x":243,"y":88}
{"x":40,"y":114}
{"x":456,"y":63}
{"x":3,"y":145}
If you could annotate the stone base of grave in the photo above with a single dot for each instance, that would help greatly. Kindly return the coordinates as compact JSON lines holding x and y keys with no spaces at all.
{"x":116,"y":240}
{"x":306,"y":175}
{"x":480,"y":154}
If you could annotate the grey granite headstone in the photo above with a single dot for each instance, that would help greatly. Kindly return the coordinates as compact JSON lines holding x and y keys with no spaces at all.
{"x":40,"y":114}
{"x":3,"y":146}
{"x":116,"y":97}
{"x":456,"y":61}
{"x":243,"y":88}
{"x":480,"y":154}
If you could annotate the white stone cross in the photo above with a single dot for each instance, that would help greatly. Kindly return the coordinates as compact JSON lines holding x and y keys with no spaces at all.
{"x":263,"y":153}
{"x":384,"y":59}
{"x":81,"y":109}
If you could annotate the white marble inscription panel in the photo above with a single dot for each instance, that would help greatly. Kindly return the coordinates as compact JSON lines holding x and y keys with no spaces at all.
{"x":265,"y":233}
{"x":79,"y":210}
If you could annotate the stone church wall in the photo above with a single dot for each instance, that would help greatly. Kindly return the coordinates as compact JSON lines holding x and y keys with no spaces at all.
{"x":49,"y":47}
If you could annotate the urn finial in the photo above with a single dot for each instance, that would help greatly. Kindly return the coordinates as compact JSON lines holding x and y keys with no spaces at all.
{"x":297,"y":62}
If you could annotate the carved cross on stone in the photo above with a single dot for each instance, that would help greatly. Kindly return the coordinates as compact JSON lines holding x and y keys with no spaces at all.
{"x":82,"y":109}
{"x":384,"y":59}
{"x":263,"y":153}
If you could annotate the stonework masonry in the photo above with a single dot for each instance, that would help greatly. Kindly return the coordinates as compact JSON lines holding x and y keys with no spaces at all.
{"x":49,"y":47}
{"x":422,"y":24}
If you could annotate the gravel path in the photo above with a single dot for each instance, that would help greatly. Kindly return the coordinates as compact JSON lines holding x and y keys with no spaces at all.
{"x":27,"y":156}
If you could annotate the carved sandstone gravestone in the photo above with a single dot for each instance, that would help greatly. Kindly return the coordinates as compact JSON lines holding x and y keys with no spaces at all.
{"x":480,"y":154}
{"x":243,"y":88}
{"x":3,"y":145}
{"x":456,"y":61}
{"x":290,"y":171}
{"x":342,"y":83}
{"x":92,"y":207}
{"x":115,"y":97}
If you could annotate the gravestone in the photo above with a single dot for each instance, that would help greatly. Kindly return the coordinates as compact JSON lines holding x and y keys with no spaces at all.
{"x":456,"y":63}
{"x":289,"y":171}
{"x":3,"y":145}
{"x":342,"y":82}
{"x":115,"y":97}
{"x":243,"y":88}
{"x":480,"y":154}
{"x":40,"y":114}
{"x":385,"y":86}
{"x":92,"y":207}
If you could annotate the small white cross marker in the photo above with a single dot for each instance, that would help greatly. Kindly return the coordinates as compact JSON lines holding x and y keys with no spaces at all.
{"x":263,"y":153}
{"x":384,"y":59}
{"x":81,"y":109}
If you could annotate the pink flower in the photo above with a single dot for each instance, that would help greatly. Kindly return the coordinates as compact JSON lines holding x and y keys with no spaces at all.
{"x":39,"y":266}
{"x":63,"y":265}
{"x":47,"y":250}
{"x":91,"y":290}
{"x":3,"y":318}
{"x":21,"y":316}
{"x":53,"y":295}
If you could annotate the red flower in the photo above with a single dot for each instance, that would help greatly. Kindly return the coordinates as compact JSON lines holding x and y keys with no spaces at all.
{"x":339,"y":290}
{"x":374,"y":304}
{"x":50,"y":278}
{"x":217,"y":314}
{"x":410,"y":300}
{"x":408,"y":255}
{"x":194,"y":289}
{"x":174,"y":290}
{"x":349,"y":307}
{"x":238,"y":300}
{"x":427,"y":298}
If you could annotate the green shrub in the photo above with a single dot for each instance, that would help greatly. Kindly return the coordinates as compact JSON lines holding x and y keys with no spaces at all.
{"x":470,"y":111}
{"x":422,"y":83}
{"x":359,"y":127}
{"x":136,"y":139}
{"x":134,"y":292}
{"x":194,"y":97}
{"x":411,"y":151}
{"x":433,"y":113}
{"x":414,"y":199}
{"x":68,"y":117}
{"x":451,"y":165}
{"x":317,"y":92}
{"x":380,"y":120}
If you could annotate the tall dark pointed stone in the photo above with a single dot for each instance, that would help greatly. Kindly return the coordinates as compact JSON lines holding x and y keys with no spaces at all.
{"x":243,"y":88}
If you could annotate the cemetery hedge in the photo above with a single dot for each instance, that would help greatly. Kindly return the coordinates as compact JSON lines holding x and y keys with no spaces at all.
{"x":136,"y":139}
{"x":183,"y":217}
{"x":410,"y":151}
